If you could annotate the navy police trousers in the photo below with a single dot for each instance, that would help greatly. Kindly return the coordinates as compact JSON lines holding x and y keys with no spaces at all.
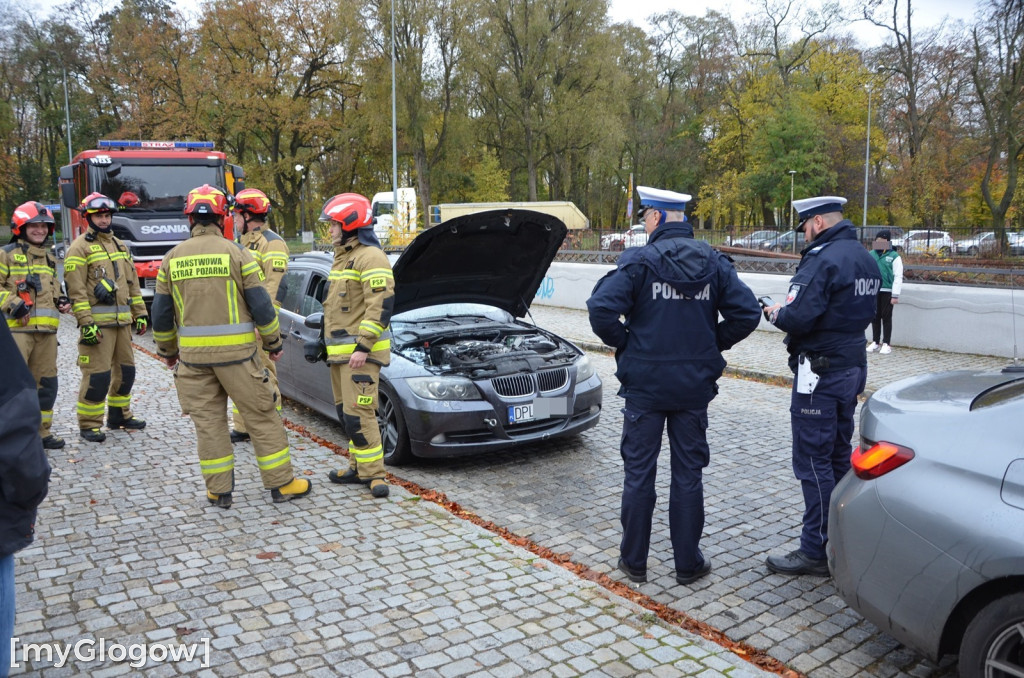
{"x":822,"y":429}
{"x":641,"y":444}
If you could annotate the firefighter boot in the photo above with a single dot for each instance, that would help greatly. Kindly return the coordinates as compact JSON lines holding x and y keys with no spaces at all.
{"x":219,"y":500}
{"x":348,"y":477}
{"x":298,"y":487}
{"x":92,"y":435}
{"x":116,"y":419}
{"x":239,"y":436}
{"x":52,"y":442}
{"x":379,"y":488}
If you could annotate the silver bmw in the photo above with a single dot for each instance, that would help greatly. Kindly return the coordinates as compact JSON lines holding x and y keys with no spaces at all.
{"x":926,"y":534}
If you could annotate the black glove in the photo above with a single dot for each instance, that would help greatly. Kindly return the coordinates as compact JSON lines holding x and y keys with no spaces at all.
{"x":105,"y":291}
{"x":62,"y":300}
{"x":20,"y":310}
{"x":91,"y":335}
{"x":314,"y":351}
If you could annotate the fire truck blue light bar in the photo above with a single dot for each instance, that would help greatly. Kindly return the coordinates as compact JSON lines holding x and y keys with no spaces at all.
{"x":157,"y":145}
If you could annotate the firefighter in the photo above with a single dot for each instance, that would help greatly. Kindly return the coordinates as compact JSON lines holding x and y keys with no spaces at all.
{"x":30,"y":298}
{"x":357,"y":312}
{"x":209,"y":304}
{"x":105,"y":298}
{"x":250,"y":211}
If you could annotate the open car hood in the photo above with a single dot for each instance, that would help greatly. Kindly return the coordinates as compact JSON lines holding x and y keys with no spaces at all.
{"x":497,"y":258}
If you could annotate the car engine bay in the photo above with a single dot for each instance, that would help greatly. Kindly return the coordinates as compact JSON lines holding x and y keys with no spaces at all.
{"x":484,"y":352}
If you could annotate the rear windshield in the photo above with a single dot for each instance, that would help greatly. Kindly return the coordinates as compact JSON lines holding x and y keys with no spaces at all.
{"x":1013,"y":390}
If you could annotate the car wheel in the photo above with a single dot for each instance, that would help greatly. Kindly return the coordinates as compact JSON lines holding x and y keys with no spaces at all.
{"x":617,"y":246}
{"x":943,"y":251}
{"x":993,"y":644}
{"x":393,"y":435}
{"x":972,"y":251}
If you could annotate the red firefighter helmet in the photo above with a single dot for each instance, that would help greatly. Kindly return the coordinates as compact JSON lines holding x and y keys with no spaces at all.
{"x":96,"y":203}
{"x":30,"y":213}
{"x":351,"y":210}
{"x":253,"y":201}
{"x":206,"y":203}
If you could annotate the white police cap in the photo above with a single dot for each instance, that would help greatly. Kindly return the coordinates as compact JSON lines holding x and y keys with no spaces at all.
{"x":809,"y":207}
{"x":661,"y":199}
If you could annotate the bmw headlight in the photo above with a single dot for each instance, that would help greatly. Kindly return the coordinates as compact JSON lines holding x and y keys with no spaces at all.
{"x":584,"y":369}
{"x":444,"y":388}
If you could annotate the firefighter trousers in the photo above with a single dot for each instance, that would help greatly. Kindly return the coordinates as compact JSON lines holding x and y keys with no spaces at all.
{"x":355,"y":396}
{"x":39,"y":349}
{"x":237,"y":420}
{"x":203,"y":392}
{"x":108,"y":374}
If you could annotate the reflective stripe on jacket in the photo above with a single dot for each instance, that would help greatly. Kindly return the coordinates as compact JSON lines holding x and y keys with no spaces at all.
{"x":18,"y":261}
{"x":210,"y":302}
{"x":359,"y":303}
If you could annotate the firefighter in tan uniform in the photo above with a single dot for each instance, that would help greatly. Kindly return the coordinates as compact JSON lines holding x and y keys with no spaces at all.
{"x":250,"y":212}
{"x":30,"y":299}
{"x":105,"y":298}
{"x":210,"y":303}
{"x":357,"y":313}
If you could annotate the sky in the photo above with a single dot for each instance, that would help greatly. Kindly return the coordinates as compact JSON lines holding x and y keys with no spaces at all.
{"x":926,"y":13}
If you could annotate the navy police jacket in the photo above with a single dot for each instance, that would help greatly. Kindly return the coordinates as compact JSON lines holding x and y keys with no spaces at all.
{"x":831,"y":300}
{"x":671,"y":292}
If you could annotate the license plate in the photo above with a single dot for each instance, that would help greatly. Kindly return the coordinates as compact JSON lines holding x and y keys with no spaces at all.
{"x":520,"y":413}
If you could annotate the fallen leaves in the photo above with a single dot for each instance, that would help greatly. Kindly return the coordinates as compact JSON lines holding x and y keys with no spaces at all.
{"x":268,"y":555}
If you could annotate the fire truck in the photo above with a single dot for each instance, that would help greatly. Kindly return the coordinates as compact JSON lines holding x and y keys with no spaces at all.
{"x":149,"y":180}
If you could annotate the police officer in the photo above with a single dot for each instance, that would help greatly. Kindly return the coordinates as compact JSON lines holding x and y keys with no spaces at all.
{"x":357,"y":315}
{"x":831,"y":301}
{"x":107,"y":301}
{"x":250,"y":211}
{"x":210,"y":303}
{"x":668,"y":357}
{"x":30,"y":298}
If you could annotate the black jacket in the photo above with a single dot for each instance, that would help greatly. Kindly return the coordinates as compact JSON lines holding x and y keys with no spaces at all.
{"x":671,"y":293}
{"x":24,"y":469}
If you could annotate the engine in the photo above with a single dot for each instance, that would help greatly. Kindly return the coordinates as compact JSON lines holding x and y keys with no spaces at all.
{"x":489,"y":356}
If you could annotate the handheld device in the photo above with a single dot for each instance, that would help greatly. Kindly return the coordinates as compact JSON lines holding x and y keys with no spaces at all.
{"x":765,"y":301}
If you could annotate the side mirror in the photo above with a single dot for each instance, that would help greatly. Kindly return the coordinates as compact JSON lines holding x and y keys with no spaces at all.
{"x":67,"y":195}
{"x":314,"y":321}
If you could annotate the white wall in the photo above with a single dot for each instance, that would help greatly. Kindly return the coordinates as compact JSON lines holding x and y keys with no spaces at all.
{"x":954,"y":318}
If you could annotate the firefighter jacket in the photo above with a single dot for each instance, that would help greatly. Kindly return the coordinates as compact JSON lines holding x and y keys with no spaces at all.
{"x":210,"y":302}
{"x":271,"y":252}
{"x":21,"y":261}
{"x":359,"y":303}
{"x":95,"y":256}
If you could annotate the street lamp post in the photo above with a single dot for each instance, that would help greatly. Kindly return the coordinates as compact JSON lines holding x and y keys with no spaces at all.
{"x":302,"y":199}
{"x":792,"y":174}
{"x":867,"y":160}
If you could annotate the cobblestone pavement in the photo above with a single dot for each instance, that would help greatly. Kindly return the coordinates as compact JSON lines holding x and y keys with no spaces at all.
{"x":565,"y":495}
{"x":336,"y":584}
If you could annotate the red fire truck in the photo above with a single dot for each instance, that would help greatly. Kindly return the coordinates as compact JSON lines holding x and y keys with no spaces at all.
{"x":150,"y":180}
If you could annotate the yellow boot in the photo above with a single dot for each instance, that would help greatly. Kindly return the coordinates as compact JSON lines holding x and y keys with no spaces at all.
{"x":298,"y":487}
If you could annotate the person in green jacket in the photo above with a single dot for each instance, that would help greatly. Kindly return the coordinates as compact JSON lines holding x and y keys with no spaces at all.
{"x":890,"y":265}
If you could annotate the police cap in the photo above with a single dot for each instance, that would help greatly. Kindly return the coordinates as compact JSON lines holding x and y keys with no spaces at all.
{"x":660,"y":199}
{"x":810,"y":207}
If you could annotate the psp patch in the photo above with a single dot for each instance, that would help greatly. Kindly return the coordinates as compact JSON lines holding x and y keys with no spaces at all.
{"x":378,"y":283}
{"x":364,"y":400}
{"x":791,"y":296}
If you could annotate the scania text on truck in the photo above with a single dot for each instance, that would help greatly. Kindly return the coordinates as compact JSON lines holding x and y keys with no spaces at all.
{"x":149,"y":180}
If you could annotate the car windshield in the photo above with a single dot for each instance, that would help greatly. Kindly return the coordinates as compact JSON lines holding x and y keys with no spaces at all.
{"x":444,"y":311}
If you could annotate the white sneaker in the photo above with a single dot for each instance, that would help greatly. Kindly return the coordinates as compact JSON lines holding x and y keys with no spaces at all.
{"x":872,"y":347}
{"x":885,"y":349}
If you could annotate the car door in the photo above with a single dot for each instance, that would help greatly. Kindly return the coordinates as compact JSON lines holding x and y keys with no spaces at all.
{"x":313,"y":379}
{"x":294,"y":284}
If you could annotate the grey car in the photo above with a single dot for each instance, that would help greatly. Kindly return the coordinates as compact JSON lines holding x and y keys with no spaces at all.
{"x":467,"y":375}
{"x":926,"y":534}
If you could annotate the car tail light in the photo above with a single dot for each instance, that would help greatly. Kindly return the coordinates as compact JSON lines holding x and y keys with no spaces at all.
{"x":878,"y":458}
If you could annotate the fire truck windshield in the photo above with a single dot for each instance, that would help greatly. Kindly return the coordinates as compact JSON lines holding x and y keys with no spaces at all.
{"x":159,"y":187}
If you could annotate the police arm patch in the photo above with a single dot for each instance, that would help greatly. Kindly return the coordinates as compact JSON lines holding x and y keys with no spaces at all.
{"x":794,"y":290}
